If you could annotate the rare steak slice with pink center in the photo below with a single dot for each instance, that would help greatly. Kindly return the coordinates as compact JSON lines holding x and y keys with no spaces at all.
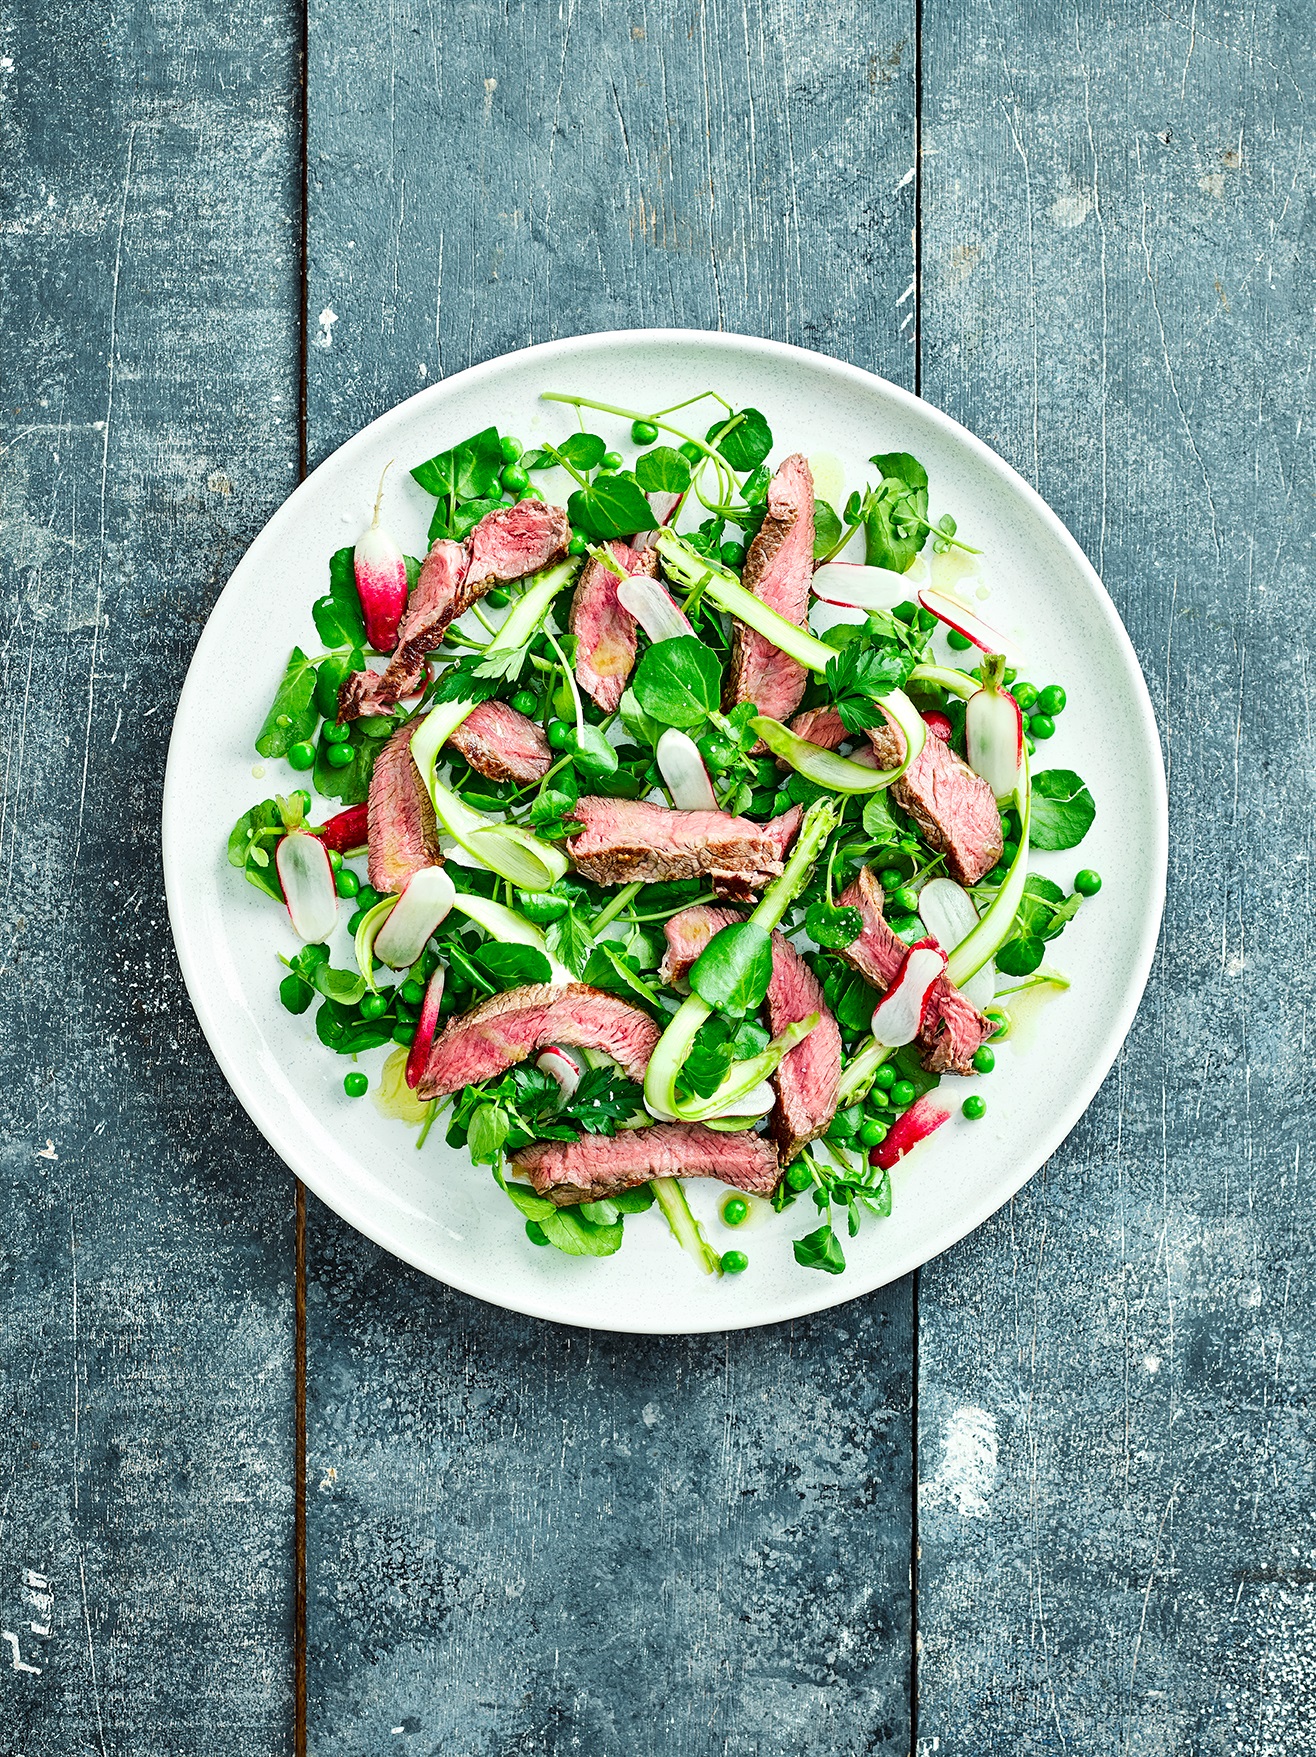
{"x":503,"y":745}
{"x":401,"y":832}
{"x":955,"y":810}
{"x":777,"y":570}
{"x":598,"y":1166}
{"x":605,"y":630}
{"x":625,"y":840}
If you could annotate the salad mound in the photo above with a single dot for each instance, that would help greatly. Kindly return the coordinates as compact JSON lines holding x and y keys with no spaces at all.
{"x":660,"y":882}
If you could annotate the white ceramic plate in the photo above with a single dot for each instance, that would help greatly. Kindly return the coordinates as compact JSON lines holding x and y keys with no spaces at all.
{"x":433,"y":1208}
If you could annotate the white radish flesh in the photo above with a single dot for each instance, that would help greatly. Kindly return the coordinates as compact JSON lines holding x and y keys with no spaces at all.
{"x":947,"y":911}
{"x":302,"y":863}
{"x":860,"y":588}
{"x":559,"y":1066}
{"x":898,"y":1016}
{"x":994,"y":739}
{"x":422,"y":906}
{"x":965,"y":621}
{"x":656,"y":611}
{"x":755,"y":1103}
{"x":683,"y":770}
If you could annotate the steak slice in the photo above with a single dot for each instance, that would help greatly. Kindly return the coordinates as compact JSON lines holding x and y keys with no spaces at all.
{"x":507,"y":544}
{"x":953,"y":1028}
{"x":401,"y":833}
{"x":820,"y":726}
{"x":954,"y":809}
{"x":808,"y":1077}
{"x":605,"y":630}
{"x":597,"y":1166}
{"x":778,"y":570}
{"x":629,"y":839}
{"x":503,"y":745}
{"x":507,"y":1028}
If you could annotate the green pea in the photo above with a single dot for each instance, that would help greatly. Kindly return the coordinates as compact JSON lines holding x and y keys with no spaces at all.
{"x":997,"y":876}
{"x":885,"y":1077}
{"x":302,"y":756}
{"x":449,"y":1001}
{"x":960,"y":642}
{"x":902,"y":1093}
{"x":890,"y":878}
{"x":295,"y":994}
{"x":535,"y":1233}
{"x":367,"y":897}
{"x":1052,"y":700}
{"x":533,"y":492}
{"x":643,"y":432}
{"x":514,"y":479}
{"x":498,"y":600}
{"x":412,"y":992}
{"x":1087,"y":883}
{"x":1029,"y":744}
{"x":577,"y":546}
{"x":1009,"y":675}
{"x":511,"y":449}
{"x":335,"y":734}
{"x":356,"y":1085}
{"x":346,"y":883}
{"x":611,"y":460}
{"x":526,"y":702}
{"x":904,"y":901}
{"x":335,"y":859}
{"x":732,"y":555}
{"x":877,"y":1098}
{"x":1010,"y":825}
{"x":735,"y":1211}
{"x":873,"y":1133}
{"x":355,"y":919}
{"x":1041,"y":725}
{"x":339,"y":756}
{"x":403,"y":1033}
{"x":1025,"y":694}
{"x":690,"y":451}
{"x":734,"y":1262}
{"x":974,"y":1108}
{"x":559,"y":734}
{"x":373,"y":1005}
{"x":984,"y":1060}
{"x":1001,"y":1019}
{"x":1008,"y":852}
{"x":799,"y":1177}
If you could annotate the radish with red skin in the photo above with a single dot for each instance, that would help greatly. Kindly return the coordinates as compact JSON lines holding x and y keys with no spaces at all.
{"x":346,"y":831}
{"x":381,"y":580}
{"x":424,"y":903}
{"x":898,"y":1016}
{"x":307,"y":878}
{"x":994,"y":730}
{"x":962,"y":619}
{"x":854,"y":586}
{"x":654,"y":608}
{"x":426,"y":1026}
{"x":937,"y":724}
{"x":562,"y":1068}
{"x":683,"y":770}
{"x":919,"y":1121}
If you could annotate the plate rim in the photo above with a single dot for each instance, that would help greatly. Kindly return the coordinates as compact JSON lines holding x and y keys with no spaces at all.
{"x":346,"y":1204}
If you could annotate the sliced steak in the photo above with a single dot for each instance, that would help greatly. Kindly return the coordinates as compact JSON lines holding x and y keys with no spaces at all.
{"x":597,"y":1166}
{"x":808,"y":1077}
{"x":778,"y":570}
{"x":508,"y":1027}
{"x":507,"y":544}
{"x":401,"y":832}
{"x":953,"y":1028}
{"x":605,"y":630}
{"x":820,"y":726}
{"x":780,"y":831}
{"x":503,"y":745}
{"x":954,"y":809}
{"x":629,"y":839}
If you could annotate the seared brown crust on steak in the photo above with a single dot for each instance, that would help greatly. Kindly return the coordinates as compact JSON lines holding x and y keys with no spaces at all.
{"x":401,"y":831}
{"x":777,"y":570}
{"x":597,"y":1166}
{"x":503,"y":745}
{"x":605,"y":630}
{"x":954,"y":809}
{"x":508,"y":1027}
{"x":629,"y":839}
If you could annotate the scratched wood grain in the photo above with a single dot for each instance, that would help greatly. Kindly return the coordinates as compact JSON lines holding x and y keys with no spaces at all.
{"x":1116,"y":1436}
{"x":519,"y":1537}
{"x":149,"y":365}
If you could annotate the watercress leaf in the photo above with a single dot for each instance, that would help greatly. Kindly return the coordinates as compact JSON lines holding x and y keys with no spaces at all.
{"x":565,"y":1229}
{"x":510,"y":966}
{"x":342,"y":1029}
{"x":1020,"y":955}
{"x":584,"y":450}
{"x":893,"y":531}
{"x":820,"y":1250}
{"x":468,"y":471}
{"x":532,"y":1206}
{"x":878,"y":821}
{"x":833,"y":928}
{"x":1062,"y":810}
{"x":553,"y":803}
{"x":293,"y":715}
{"x":749,"y":1040}
{"x":609,"y":969}
{"x":460,"y":963}
{"x":612,"y":506}
{"x":748,"y":442}
{"x":599,"y":1213}
{"x":412,"y":563}
{"x":826,"y":527}
{"x":487,"y":1131}
{"x":662,"y":471}
{"x":901,"y":467}
{"x":733,"y":970}
{"x":754,"y":489}
{"x":344,"y":986}
{"x":591,"y":752}
{"x":338,"y":618}
{"x":634,"y":1201}
{"x":639,"y":724}
{"x":251,"y":846}
{"x":678,"y":682}
{"x":463,"y":519}
{"x":330,"y":675}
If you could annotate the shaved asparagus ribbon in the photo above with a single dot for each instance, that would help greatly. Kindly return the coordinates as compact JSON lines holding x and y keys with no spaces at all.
{"x":512,"y":853}
{"x":676,"y":1041}
{"x":997,"y":919}
{"x":685,"y":1229}
{"x":837,"y":773}
{"x":509,"y":928}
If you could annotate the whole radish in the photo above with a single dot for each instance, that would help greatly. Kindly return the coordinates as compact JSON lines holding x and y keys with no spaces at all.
{"x":381,"y":579}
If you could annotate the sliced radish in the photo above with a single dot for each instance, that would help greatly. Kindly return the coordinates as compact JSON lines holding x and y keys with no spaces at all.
{"x":859,"y":587}
{"x":938,"y":725}
{"x":346,"y":832}
{"x":994,"y":731}
{"x":898,"y":1016}
{"x":948,"y":913}
{"x":426,"y":1026}
{"x":381,"y":580}
{"x":918,"y":1122}
{"x":559,"y":1066}
{"x":302,"y":862}
{"x":654,"y":608}
{"x":963,"y":620}
{"x":755,"y":1103}
{"x":683,"y":770}
{"x":424,"y":903}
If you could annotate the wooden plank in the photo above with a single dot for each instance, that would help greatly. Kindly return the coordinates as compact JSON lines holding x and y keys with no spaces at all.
{"x":524,"y":1537}
{"x":148,"y":278}
{"x":1115,"y":1392}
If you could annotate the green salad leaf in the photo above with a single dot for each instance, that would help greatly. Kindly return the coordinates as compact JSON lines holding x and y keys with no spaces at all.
{"x":338,"y":618}
{"x":678,"y":682}
{"x":1062,"y":810}
{"x":293,"y":715}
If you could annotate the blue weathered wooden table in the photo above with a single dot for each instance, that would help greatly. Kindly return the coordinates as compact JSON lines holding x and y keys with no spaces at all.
{"x":263,"y":1490}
